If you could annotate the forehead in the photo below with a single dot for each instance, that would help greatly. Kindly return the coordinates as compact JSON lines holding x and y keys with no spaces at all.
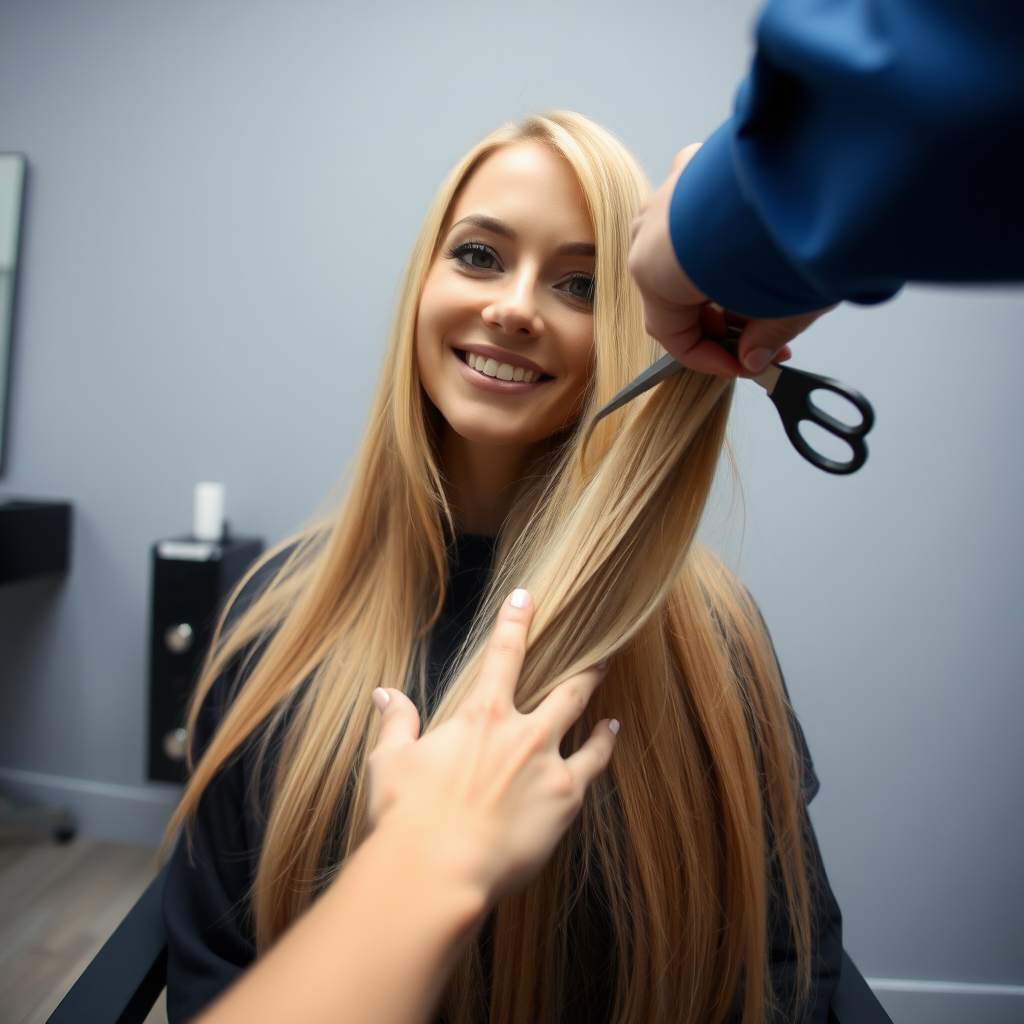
{"x":532,"y":188}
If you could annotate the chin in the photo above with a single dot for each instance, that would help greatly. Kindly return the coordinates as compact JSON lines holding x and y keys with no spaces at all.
{"x":491,"y":431}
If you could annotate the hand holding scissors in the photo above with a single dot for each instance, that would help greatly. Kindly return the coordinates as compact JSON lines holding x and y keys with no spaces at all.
{"x":790,"y":390}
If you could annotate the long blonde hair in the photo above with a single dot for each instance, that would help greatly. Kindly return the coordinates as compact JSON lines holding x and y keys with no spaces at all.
{"x":675,"y":846}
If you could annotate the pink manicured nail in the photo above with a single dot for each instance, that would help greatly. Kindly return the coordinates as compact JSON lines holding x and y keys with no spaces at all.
{"x":381,"y":698}
{"x":614,"y":726}
{"x":519,"y":599}
{"x":757,"y":359}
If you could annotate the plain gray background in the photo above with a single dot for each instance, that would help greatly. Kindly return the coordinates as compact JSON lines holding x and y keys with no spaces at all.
{"x":221,"y":195}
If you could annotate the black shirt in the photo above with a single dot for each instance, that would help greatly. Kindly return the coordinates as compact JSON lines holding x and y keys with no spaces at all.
{"x":209,"y":926}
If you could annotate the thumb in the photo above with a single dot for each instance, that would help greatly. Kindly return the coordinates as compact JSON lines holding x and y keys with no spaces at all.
{"x":399,"y":720}
{"x":683,"y":157}
{"x":762,"y":340}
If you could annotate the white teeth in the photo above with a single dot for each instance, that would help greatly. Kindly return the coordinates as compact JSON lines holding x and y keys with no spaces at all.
{"x":502,"y":371}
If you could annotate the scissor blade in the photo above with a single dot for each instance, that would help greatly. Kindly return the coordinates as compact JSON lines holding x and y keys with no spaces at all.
{"x":664,"y":368}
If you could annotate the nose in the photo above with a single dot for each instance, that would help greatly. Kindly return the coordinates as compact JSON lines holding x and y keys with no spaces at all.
{"x":513,"y":309}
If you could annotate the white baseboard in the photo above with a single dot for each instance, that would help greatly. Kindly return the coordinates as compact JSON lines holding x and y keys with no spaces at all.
{"x":949,"y":1002}
{"x":108,"y":810}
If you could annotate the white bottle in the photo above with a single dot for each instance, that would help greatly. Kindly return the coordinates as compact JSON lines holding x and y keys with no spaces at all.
{"x":208,"y":512}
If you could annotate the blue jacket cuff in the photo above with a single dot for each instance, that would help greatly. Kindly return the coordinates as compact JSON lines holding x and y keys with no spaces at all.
{"x":723,"y":246}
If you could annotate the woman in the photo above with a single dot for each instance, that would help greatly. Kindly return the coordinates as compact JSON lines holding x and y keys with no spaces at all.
{"x":689,"y":887}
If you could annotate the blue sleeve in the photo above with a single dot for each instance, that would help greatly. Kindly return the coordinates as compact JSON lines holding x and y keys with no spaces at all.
{"x":874,"y":142}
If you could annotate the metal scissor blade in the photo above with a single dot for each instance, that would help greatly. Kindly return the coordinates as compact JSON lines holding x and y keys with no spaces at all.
{"x":664,"y":368}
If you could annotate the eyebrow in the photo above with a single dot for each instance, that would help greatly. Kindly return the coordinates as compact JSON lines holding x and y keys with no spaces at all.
{"x":505,"y":230}
{"x":492,"y":224}
{"x":577,"y":249}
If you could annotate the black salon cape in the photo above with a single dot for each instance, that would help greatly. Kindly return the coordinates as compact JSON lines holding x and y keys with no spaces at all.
{"x":209,"y":928}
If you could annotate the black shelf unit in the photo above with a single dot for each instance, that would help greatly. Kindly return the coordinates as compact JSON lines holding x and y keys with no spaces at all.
{"x":35,"y":539}
{"x":191,"y":579}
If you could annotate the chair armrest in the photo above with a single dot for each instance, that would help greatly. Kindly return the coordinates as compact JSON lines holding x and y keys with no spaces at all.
{"x":853,"y":1002}
{"x":126,"y":976}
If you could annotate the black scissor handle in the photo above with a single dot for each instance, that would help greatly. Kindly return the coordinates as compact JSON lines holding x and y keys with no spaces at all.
{"x":792,"y":397}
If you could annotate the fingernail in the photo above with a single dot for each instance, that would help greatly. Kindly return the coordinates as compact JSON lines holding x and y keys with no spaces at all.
{"x":716,"y":307}
{"x":757,"y":359}
{"x":381,"y":698}
{"x":519,"y":599}
{"x":614,"y":726}
{"x":603,"y":663}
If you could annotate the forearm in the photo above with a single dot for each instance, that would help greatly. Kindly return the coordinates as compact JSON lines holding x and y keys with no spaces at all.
{"x":376,"y":948}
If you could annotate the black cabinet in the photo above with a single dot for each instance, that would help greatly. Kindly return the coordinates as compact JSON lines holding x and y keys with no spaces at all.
{"x":190,"y":581}
{"x":35,"y":539}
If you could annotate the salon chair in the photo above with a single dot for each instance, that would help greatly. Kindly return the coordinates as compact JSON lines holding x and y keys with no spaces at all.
{"x":128,"y":974}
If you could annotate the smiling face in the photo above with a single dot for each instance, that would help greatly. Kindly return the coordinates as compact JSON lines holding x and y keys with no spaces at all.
{"x":504,"y":332}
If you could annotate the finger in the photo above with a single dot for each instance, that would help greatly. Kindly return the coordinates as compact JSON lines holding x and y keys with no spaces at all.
{"x":708,"y":357}
{"x":567,"y":701}
{"x":399,"y":720}
{"x":683,"y":157}
{"x":713,"y":319}
{"x":503,"y":657}
{"x":672,"y":331}
{"x":638,"y":222}
{"x":761,"y":342}
{"x":592,"y":758}
{"x":763,"y":339}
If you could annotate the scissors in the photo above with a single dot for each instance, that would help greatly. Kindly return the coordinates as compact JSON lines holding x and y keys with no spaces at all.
{"x":791,"y":391}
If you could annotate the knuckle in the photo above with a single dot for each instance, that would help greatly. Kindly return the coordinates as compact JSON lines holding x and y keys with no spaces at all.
{"x":506,"y":645}
{"x":483,"y":712}
{"x":536,"y":738}
{"x":575,"y":696}
{"x":495,"y":710}
{"x":563,"y":785}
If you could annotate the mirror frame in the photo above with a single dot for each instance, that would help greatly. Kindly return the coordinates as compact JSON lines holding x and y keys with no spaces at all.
{"x":13,"y":167}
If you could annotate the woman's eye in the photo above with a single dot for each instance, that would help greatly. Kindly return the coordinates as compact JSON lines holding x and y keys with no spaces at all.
{"x":475,"y":255}
{"x":581,"y":286}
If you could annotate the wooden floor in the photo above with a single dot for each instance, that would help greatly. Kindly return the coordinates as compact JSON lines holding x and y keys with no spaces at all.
{"x":58,"y":905}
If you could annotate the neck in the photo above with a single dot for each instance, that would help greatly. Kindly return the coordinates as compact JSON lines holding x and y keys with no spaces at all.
{"x":482,"y":480}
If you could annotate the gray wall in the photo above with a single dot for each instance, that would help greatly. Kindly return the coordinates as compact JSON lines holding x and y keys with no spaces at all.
{"x":221,"y":196}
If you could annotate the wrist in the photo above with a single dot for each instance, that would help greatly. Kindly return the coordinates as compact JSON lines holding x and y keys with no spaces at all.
{"x":434,"y":870}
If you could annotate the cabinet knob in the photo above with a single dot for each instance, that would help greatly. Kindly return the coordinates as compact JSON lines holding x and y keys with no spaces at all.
{"x":175,"y":743}
{"x":179,"y":639}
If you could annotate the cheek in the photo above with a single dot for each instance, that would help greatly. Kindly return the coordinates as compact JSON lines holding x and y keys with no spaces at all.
{"x":425,"y":315}
{"x":579,"y":355}
{"x":443,"y":303}
{"x":429,"y":330}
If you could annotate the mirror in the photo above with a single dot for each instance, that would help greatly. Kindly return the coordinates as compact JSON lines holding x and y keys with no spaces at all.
{"x":12,"y":180}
